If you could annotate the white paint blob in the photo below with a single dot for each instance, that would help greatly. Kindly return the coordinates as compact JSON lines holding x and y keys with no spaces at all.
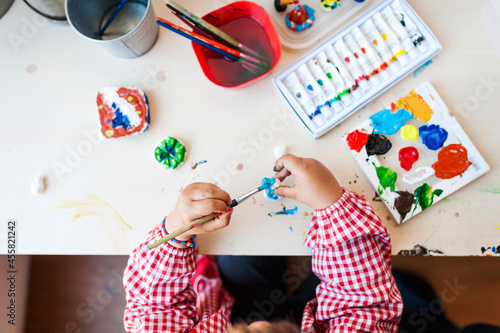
{"x":38,"y":185}
{"x":418,"y":175}
{"x":279,"y":151}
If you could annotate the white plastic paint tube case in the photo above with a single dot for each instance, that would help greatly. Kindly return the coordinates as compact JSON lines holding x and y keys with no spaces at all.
{"x":427,"y":46}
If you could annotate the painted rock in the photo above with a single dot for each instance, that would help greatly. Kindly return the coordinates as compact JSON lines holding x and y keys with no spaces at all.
{"x":301,"y":18}
{"x":122,"y":111}
{"x":170,"y":153}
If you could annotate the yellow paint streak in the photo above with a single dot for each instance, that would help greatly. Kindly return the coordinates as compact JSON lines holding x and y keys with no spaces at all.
{"x":112,"y":222}
{"x":415,"y":104}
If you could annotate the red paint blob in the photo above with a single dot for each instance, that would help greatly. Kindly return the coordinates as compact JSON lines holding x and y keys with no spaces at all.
{"x":347,"y":59}
{"x":356,"y":140}
{"x":393,"y":106}
{"x":356,"y":55}
{"x":408,"y":156}
{"x":452,"y":161}
{"x":363,"y":50}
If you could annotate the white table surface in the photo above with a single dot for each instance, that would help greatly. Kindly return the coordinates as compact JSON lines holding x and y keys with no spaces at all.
{"x":48,"y":85}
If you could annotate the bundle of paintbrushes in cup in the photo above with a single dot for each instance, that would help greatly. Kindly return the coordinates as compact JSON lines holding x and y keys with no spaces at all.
{"x":235,"y":45}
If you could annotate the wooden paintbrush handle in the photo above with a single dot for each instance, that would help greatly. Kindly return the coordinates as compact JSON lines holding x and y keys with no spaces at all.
{"x":183,"y":229}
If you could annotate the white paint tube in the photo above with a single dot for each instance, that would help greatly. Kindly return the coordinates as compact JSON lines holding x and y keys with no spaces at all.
{"x":333,"y":73}
{"x":379,"y":44}
{"x":325,"y":83}
{"x":302,"y":97}
{"x":392,"y":39}
{"x":371,"y":54}
{"x":344,"y":73}
{"x":370,"y":72}
{"x":400,"y":31}
{"x":314,"y":90}
{"x":352,"y":64}
{"x":415,"y":34}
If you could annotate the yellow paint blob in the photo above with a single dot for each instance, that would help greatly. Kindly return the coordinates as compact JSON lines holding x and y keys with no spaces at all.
{"x":415,"y":104}
{"x":409,"y":132}
{"x":384,"y":36}
{"x":112,"y":223}
{"x":130,"y":98}
{"x":110,"y":133}
{"x":101,"y":106}
{"x":399,"y":53}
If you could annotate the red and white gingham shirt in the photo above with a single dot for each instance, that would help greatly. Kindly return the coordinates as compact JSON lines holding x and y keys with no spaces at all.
{"x":172,"y":290}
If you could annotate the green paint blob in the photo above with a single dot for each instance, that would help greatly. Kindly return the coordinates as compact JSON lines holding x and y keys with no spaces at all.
{"x":329,"y":75}
{"x":386,"y":176}
{"x":320,"y":82}
{"x":424,"y":196}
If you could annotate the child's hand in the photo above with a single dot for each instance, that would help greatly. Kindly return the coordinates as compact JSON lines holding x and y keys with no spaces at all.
{"x":314,"y":186}
{"x":195,"y":201}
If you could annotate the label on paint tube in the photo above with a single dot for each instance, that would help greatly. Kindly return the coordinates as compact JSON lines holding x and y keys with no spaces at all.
{"x":324,"y":82}
{"x":344,"y":73}
{"x":302,"y":97}
{"x":415,"y":35}
{"x":370,"y":53}
{"x":379,"y":44}
{"x":352,"y":64}
{"x":392,"y":40}
{"x":332,"y":73}
{"x":368,"y":69}
{"x":400,"y":31}
{"x":314,"y":90}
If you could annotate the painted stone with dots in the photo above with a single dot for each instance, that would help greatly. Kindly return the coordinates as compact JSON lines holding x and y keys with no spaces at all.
{"x":122,"y":111}
{"x":301,"y":18}
{"x":170,"y":153}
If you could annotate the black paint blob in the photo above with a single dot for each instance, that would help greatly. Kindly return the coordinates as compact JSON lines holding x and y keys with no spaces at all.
{"x":377,"y":144}
{"x":404,"y":202}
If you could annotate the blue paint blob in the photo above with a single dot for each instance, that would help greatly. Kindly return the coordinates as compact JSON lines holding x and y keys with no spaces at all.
{"x":310,"y":87}
{"x":268,"y":185}
{"x":299,"y":95}
{"x":120,"y":120}
{"x":493,"y":249}
{"x":419,"y":70}
{"x":433,"y":136}
{"x":285,"y":212}
{"x":387,"y":122}
{"x":202,"y":162}
{"x":291,"y":229}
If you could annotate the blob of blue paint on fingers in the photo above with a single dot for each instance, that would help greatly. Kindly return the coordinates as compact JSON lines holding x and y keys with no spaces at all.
{"x":269,"y":185}
{"x":433,"y":136}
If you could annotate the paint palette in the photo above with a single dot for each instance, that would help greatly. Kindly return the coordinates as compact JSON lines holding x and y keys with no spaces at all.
{"x":339,"y":80}
{"x":447,"y":159}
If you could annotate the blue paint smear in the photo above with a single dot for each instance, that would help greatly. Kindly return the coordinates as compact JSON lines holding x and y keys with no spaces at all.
{"x":433,"y":136}
{"x":419,"y":70}
{"x":387,"y":122}
{"x":120,"y":120}
{"x":267,"y":185}
{"x":202,"y":162}
{"x":291,"y":229}
{"x":285,"y":212}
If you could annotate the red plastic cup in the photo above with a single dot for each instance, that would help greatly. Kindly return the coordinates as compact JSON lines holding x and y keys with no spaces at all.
{"x":258,"y":33}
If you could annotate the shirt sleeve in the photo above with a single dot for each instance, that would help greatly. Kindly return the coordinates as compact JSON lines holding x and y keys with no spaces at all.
{"x":159,"y":295}
{"x":352,"y":257}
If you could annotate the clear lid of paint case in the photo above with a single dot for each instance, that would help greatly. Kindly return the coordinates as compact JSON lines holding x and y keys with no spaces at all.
{"x":397,"y":70}
{"x":323,"y":24}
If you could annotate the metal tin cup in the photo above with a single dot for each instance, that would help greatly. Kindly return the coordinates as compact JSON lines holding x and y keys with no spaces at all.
{"x":130,"y":34}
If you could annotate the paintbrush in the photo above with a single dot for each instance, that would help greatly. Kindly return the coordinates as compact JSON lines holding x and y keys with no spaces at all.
{"x":209,"y":43}
{"x":112,"y":17}
{"x":235,"y":202}
{"x":211,"y":29}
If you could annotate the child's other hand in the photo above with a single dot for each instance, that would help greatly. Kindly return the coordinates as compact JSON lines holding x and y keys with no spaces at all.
{"x":314,"y":186}
{"x":195,"y":201}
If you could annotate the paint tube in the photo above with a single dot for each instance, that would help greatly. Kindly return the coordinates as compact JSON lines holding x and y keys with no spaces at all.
{"x":415,"y":35}
{"x":324,"y":82}
{"x":371,"y":54}
{"x":351,"y":63}
{"x":379,"y":44}
{"x":302,"y":97}
{"x":333,"y":73}
{"x":400,"y":31}
{"x":366,"y":66}
{"x":392,"y":40}
{"x":314,"y":91}
{"x":344,"y":73}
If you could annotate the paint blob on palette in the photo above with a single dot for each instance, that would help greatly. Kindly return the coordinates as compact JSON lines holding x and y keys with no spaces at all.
{"x":122,"y":111}
{"x":415,"y":153}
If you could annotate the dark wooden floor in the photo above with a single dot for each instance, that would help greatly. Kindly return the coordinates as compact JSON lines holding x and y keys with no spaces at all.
{"x":85,"y":293}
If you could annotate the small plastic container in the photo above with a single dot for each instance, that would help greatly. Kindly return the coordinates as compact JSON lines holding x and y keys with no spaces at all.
{"x":251,"y":25}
